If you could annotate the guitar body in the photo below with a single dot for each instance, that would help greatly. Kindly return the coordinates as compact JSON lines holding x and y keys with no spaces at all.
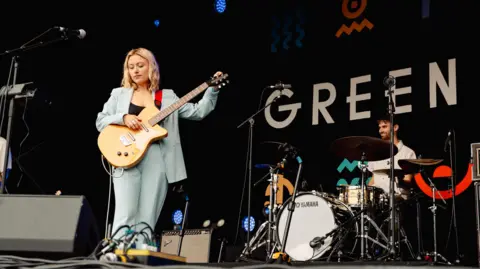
{"x":125,"y":148}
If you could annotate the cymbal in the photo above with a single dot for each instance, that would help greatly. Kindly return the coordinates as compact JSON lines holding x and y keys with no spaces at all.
{"x":396,"y":172}
{"x":352,"y":147}
{"x":414,"y":165}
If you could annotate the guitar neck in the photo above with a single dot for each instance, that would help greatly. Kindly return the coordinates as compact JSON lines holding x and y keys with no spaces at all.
{"x":173,"y":107}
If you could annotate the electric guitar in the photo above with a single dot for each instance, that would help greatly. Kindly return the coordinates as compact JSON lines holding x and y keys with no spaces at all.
{"x":123,"y":147}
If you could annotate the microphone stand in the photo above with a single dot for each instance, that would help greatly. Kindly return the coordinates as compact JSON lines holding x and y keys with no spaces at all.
{"x":251,"y":121}
{"x":14,"y":65}
{"x":453,"y":179}
{"x":390,"y":82}
{"x":182,"y":229}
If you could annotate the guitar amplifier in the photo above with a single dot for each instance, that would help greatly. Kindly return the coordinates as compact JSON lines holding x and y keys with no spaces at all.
{"x":196,"y":244}
{"x":475,"y":159}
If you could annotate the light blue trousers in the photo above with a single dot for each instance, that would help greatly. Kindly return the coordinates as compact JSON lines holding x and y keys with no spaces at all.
{"x":140,"y":193}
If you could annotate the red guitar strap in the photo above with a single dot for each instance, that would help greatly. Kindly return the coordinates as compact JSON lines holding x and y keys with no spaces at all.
{"x":158,"y":98}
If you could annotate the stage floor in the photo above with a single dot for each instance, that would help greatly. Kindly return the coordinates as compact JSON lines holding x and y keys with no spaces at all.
{"x":345,"y":264}
{"x":20,"y":262}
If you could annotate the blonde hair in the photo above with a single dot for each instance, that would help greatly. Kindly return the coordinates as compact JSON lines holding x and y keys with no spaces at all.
{"x":153,"y":70}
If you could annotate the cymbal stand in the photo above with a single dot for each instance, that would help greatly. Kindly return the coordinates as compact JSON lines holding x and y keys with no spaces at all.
{"x":453,"y":182}
{"x":402,"y":235}
{"x":256,"y":240}
{"x":363,"y":233}
{"x":272,"y":209}
{"x":420,"y":250}
{"x":282,"y":257}
{"x":433,"y":208}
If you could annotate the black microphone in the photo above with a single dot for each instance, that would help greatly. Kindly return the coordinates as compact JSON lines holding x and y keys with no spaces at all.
{"x":263,"y":166}
{"x":317,"y":241}
{"x":280,"y":86}
{"x":80,"y":33}
{"x":389,"y":81}
{"x":447,"y":140}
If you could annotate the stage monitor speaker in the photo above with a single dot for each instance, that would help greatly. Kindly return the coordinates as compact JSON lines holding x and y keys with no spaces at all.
{"x":196,"y":245}
{"x":47,"y":226}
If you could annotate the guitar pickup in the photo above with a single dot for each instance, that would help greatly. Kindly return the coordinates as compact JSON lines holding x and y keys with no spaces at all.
{"x":144,"y":128}
{"x":125,"y":141}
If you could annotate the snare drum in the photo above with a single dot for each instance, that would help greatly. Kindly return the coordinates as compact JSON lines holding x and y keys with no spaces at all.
{"x":315,"y":215}
{"x":351,"y":195}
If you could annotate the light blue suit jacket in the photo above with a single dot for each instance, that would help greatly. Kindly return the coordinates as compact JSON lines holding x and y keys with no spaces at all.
{"x":119,"y":102}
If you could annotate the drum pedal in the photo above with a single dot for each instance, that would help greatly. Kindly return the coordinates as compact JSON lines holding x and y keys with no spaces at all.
{"x":280,"y":258}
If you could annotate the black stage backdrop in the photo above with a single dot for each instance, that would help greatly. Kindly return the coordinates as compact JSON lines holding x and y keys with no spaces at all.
{"x":337,"y":90}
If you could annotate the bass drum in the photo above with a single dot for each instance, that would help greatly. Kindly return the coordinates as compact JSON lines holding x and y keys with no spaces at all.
{"x":315,"y":215}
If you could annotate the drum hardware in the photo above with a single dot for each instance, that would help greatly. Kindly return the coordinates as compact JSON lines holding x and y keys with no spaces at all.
{"x":338,"y":245}
{"x":421,"y":252}
{"x":320,"y":240}
{"x":403,"y":238}
{"x":316,"y":214}
{"x":389,"y":82}
{"x":290,"y":152}
{"x":402,"y":235}
{"x":269,"y":225}
{"x":433,"y":208}
{"x":341,"y":232}
{"x":272,"y":206}
{"x":363,"y":233}
{"x":359,"y":147}
{"x":453,"y":182}
{"x":255,"y":242}
{"x":414,"y":164}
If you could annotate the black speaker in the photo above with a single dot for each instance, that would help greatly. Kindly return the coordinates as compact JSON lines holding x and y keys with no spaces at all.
{"x":47,"y":226}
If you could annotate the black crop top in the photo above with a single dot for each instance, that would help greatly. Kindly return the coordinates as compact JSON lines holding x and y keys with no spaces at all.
{"x":134,"y":109}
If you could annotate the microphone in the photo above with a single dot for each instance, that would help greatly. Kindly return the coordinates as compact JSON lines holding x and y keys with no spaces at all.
{"x":280,"y":86}
{"x":263,"y":166}
{"x":389,"y":81}
{"x":447,"y":140}
{"x":317,"y":241}
{"x":80,"y":33}
{"x":269,"y":166}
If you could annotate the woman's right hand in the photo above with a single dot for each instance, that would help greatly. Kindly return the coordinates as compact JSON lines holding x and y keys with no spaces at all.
{"x":132,"y":121}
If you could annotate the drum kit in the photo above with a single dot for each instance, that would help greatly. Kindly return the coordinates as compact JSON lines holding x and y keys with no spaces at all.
{"x":349,"y":225}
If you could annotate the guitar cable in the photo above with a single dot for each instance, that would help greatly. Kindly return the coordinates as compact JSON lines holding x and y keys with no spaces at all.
{"x":110,"y":173}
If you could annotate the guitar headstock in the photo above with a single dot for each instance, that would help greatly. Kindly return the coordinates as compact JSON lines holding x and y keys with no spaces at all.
{"x":220,"y":81}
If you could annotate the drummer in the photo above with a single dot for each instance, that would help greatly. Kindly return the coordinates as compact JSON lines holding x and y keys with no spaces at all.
{"x":382,"y":180}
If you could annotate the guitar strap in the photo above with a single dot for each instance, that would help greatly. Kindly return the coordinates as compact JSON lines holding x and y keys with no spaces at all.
{"x":158,"y":99}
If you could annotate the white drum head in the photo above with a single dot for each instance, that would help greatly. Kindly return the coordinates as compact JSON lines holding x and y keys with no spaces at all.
{"x":311,"y":218}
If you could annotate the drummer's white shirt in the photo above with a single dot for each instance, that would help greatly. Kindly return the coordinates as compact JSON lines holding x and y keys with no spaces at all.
{"x":382,"y":180}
